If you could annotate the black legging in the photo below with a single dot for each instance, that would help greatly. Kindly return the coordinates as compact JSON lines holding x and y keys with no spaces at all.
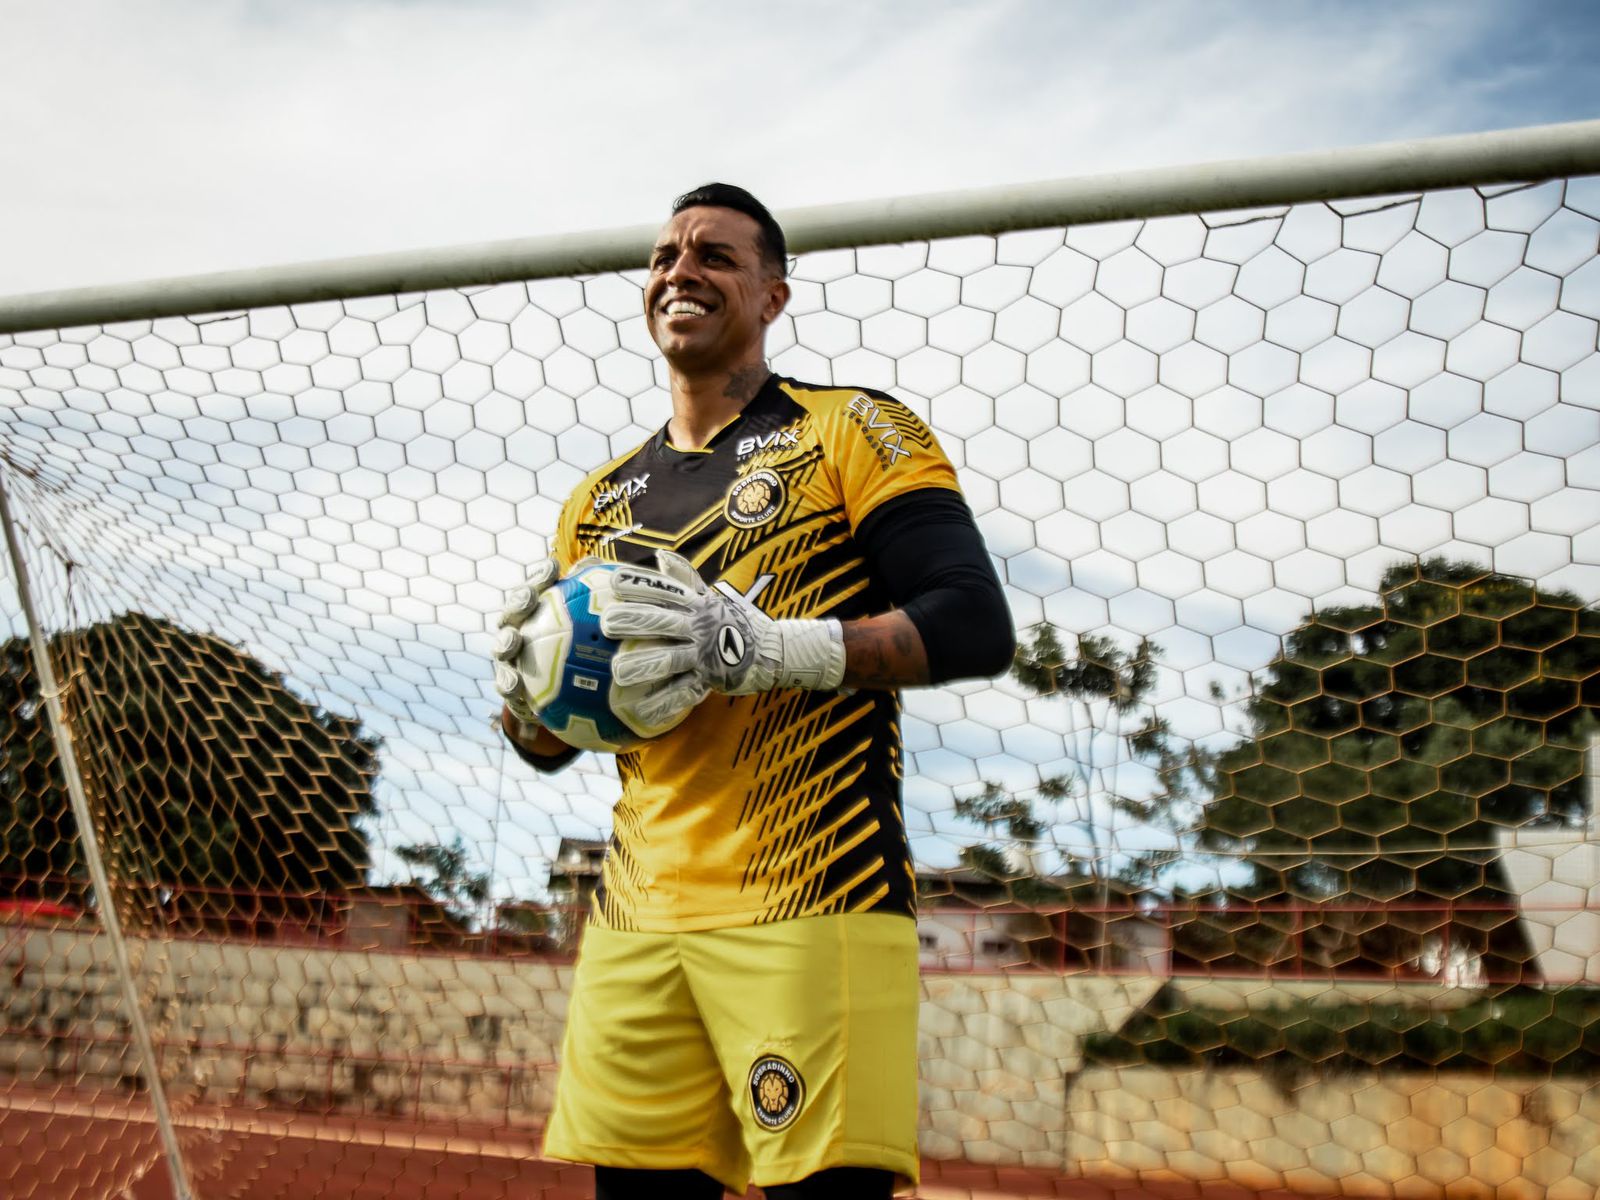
{"x":836,"y":1183}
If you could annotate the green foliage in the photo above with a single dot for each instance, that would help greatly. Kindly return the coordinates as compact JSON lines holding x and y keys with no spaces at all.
{"x":994,"y":809}
{"x":986,"y":861}
{"x":1389,"y":743}
{"x":1519,"y":1032}
{"x":441,"y":871}
{"x":1109,"y":688}
{"x":1099,"y":668}
{"x":1392,"y":741}
{"x":206,"y":772}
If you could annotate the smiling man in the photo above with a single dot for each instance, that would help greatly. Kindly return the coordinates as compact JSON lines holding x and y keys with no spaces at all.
{"x":745,"y":1001}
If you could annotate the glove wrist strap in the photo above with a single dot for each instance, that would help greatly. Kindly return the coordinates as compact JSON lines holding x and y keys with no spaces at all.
{"x":812,"y":655}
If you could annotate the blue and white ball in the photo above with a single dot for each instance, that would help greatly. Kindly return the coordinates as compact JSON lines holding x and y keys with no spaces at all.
{"x":565,"y":664}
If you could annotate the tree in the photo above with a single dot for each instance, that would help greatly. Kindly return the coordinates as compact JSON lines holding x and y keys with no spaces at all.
{"x":446,"y":877}
{"x":1009,"y":817}
{"x":518,"y":926}
{"x":1109,"y":689}
{"x":1125,"y":763}
{"x":207,"y":775}
{"x":1392,"y":741}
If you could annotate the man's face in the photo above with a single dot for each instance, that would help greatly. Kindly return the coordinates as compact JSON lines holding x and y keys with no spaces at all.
{"x":710,"y":298}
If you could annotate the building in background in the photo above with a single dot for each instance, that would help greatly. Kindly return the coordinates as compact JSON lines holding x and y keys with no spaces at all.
{"x":970,"y":921}
{"x":574,"y":876}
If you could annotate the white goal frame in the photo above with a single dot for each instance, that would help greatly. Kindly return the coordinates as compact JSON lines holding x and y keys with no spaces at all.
{"x":1501,"y":156}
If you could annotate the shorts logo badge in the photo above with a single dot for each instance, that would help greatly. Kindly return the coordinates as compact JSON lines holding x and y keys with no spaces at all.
{"x":755,"y":499}
{"x":776,"y":1092}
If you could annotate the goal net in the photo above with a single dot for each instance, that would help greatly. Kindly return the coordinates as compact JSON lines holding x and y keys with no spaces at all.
{"x":1272,"y":862}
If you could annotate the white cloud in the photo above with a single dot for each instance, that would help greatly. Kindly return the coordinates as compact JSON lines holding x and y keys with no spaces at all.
{"x":170,"y":137}
{"x":167,"y":137}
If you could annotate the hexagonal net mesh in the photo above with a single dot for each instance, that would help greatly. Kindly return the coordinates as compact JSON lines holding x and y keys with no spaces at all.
{"x":1272,"y":860}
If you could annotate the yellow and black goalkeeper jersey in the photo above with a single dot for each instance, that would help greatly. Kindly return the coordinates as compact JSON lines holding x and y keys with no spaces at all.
{"x":785,"y":804}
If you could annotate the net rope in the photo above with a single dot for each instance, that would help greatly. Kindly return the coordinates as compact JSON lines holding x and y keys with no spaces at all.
{"x":1298,"y":513}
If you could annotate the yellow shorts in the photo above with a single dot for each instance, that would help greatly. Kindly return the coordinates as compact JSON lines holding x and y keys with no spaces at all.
{"x":764,"y":1052}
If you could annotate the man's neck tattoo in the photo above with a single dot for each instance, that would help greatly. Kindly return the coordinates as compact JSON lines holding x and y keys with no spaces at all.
{"x":744,"y":383}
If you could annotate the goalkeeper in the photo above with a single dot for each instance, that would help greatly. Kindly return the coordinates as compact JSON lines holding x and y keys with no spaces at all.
{"x":745,"y":1000}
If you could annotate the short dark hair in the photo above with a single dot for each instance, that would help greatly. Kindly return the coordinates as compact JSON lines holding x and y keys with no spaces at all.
{"x":774,"y":248}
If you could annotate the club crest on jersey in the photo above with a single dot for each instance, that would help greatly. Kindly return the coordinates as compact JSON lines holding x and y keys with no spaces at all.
{"x":778,"y":439}
{"x":622,"y":489}
{"x":776,"y":1092}
{"x":882,"y":434}
{"x":755,"y":499}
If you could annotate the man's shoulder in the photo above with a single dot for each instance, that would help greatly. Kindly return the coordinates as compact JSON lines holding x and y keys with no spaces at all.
{"x":890,"y":429}
{"x":824,"y":398}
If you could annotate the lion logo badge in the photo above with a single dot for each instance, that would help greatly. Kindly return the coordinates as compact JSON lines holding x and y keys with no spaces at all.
{"x":755,"y":499}
{"x":776,"y":1092}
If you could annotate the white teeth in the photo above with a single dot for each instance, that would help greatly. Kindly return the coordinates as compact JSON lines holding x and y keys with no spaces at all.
{"x":678,"y":308}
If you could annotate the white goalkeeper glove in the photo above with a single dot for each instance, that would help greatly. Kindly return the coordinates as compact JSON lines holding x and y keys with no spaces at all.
{"x":650,"y":707}
{"x":693,"y":637}
{"x":520,"y":604}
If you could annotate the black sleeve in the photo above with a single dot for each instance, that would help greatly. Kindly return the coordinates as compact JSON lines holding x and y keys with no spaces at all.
{"x":925,"y":550}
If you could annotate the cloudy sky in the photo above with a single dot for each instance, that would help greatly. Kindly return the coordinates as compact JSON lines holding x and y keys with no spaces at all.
{"x":148,"y":138}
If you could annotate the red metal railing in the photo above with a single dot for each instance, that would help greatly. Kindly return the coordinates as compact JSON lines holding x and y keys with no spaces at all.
{"x":1440,"y":941}
{"x":402,"y":920}
{"x":1347,"y":938}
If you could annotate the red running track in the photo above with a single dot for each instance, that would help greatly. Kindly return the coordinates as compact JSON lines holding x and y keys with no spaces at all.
{"x":61,"y":1146}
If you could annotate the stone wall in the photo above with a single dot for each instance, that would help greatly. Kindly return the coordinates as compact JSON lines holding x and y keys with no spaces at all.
{"x":299,"y":1027}
{"x":996,"y":1052}
{"x":1444,"y":1137}
{"x":1003,"y":1079}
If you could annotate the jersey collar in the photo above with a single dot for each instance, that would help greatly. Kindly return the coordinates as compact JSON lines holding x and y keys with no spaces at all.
{"x":764,"y":396}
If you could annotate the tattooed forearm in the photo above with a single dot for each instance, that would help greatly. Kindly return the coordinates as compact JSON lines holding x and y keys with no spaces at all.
{"x":533,"y":738}
{"x":884,"y":652}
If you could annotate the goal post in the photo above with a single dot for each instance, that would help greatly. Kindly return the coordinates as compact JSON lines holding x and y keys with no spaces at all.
{"x":1502,"y":156}
{"x":1273,"y":861}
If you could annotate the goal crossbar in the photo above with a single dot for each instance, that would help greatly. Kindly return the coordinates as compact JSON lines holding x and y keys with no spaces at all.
{"x":1500,"y":156}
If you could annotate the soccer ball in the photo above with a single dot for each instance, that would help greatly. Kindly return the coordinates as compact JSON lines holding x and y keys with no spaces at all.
{"x":565,"y":664}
